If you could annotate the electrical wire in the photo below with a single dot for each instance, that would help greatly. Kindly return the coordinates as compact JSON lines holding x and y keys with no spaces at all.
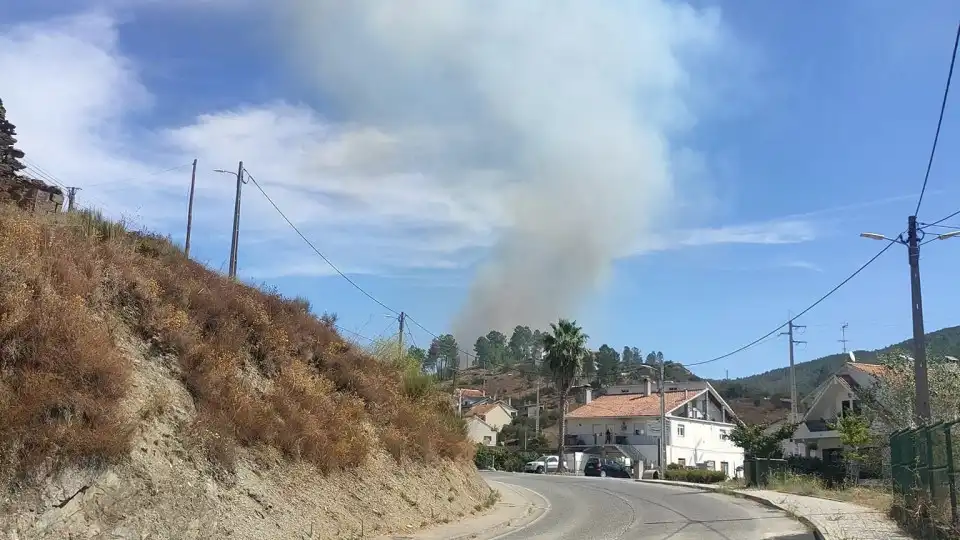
{"x":337,"y":269}
{"x":941,"y":220}
{"x":811,"y":306}
{"x":943,"y":107}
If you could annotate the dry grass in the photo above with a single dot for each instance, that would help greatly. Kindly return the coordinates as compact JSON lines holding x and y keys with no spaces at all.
{"x":811,"y":486}
{"x":262,"y":370}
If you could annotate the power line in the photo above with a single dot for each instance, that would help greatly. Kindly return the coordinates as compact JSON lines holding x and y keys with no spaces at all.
{"x":337,"y":269}
{"x":811,"y":306}
{"x":941,"y":220}
{"x":943,"y":107}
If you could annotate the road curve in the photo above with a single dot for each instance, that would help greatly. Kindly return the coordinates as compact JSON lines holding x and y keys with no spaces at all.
{"x":584,"y":508}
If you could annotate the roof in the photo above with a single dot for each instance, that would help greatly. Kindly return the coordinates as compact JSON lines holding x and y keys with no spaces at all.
{"x":627,"y":405}
{"x":480,"y":421}
{"x":471,"y":393}
{"x":871,"y":369}
{"x":484,"y":408}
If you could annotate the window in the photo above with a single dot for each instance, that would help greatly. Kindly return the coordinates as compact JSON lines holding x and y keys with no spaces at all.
{"x":849,"y":405}
{"x":725,"y":468}
{"x":681,"y":430}
{"x":682,"y":462}
{"x":724,"y":435}
{"x":487,"y":439}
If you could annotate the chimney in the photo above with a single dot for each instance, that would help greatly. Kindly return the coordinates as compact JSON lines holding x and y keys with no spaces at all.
{"x":587,"y":395}
{"x":646,"y":386}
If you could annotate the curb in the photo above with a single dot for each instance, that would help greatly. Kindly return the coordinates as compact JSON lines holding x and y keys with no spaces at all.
{"x":518,"y":508}
{"x":749,"y":496}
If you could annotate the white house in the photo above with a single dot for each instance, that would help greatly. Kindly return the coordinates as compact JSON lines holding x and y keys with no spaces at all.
{"x":835,"y":397}
{"x":481,"y":432}
{"x":627,"y":419}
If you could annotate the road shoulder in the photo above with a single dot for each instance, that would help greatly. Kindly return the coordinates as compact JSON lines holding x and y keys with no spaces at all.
{"x":518,"y":507}
{"x":829,"y":519}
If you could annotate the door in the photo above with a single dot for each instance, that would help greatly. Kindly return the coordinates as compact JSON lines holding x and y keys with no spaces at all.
{"x":552,"y":462}
{"x":725,"y":468}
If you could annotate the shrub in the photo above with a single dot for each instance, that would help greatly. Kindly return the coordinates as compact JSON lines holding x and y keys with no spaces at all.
{"x":697,"y":476}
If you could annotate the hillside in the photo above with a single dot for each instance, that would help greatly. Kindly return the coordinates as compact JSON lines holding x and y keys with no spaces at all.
{"x":143,"y":395}
{"x":810,"y":374}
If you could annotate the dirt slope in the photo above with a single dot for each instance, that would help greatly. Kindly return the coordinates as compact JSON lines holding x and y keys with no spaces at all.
{"x":143,"y":396}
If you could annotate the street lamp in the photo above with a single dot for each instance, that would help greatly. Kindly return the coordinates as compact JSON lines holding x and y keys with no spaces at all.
{"x":913,"y":242}
{"x":661,"y":448}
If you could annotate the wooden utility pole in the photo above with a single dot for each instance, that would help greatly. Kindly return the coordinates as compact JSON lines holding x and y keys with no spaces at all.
{"x":235,"y":240}
{"x":403,"y":316}
{"x":71,"y":197}
{"x":193,"y":183}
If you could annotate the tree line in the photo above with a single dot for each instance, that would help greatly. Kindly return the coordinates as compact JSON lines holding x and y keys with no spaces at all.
{"x":525,"y":347}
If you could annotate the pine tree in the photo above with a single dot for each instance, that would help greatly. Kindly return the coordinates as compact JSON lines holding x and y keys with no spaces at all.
{"x":10,"y":156}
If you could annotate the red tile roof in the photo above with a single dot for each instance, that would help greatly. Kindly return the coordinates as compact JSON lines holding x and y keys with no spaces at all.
{"x":484,"y":408}
{"x":471,"y":393}
{"x":627,"y":405}
{"x":872,"y":369}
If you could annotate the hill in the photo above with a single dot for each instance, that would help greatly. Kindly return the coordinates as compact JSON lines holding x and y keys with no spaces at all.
{"x":143,"y":395}
{"x":776,"y":382}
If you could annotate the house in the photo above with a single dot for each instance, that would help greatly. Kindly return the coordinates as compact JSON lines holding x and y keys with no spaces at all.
{"x":839,"y":395}
{"x":481,"y":432}
{"x":496,"y":414}
{"x":626,"y":420}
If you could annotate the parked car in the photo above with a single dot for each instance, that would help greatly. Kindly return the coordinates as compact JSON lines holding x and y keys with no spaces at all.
{"x":605,"y":467}
{"x":542,"y":464}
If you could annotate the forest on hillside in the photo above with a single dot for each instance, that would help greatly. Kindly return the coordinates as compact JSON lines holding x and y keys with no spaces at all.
{"x":521,"y":349}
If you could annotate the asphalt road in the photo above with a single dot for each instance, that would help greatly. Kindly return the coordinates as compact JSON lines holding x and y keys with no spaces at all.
{"x":607,"y":508}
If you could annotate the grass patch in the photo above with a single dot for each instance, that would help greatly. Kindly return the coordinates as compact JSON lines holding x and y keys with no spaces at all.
{"x":261,"y":369}
{"x":491,"y":499}
{"x":811,"y":486}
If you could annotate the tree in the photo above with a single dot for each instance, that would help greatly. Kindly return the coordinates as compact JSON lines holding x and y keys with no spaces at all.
{"x":566,"y":347}
{"x":10,"y":156}
{"x":756,"y":442}
{"x":418,"y":355}
{"x":482,"y":350}
{"x":608,"y":364}
{"x":498,"y":348}
{"x":627,"y":356}
{"x":521,"y":344}
{"x":449,"y":352}
{"x":433,"y":360}
{"x":889,"y":402}
{"x":651,"y":359}
{"x":590,"y":365}
{"x":855,"y":435}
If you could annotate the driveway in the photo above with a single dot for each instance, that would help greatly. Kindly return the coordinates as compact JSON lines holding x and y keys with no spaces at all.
{"x":606,"y":508}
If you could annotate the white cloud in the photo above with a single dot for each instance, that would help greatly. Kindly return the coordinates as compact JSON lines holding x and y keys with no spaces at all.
{"x":385,"y":193}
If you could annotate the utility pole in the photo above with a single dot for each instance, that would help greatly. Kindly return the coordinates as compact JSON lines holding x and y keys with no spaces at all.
{"x":403,"y":317}
{"x":193,"y":183}
{"x":538,"y":365}
{"x":236,"y":225}
{"x":662,"y":450}
{"x":793,"y":374}
{"x":71,"y":197}
{"x":843,"y":336}
{"x":922,"y":406}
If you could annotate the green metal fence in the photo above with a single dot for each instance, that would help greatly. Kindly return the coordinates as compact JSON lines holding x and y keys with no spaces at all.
{"x":924,"y":467}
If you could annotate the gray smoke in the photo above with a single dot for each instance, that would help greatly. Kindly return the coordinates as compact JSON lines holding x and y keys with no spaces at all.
{"x":569,"y":104}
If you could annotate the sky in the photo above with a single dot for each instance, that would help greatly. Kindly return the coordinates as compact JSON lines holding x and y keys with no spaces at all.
{"x":680,"y":177}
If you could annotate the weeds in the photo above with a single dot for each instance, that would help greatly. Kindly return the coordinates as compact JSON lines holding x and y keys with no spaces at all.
{"x":260,"y":368}
{"x":812,"y":486}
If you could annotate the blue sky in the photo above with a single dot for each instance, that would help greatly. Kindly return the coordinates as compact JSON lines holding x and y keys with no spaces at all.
{"x":700,"y":170}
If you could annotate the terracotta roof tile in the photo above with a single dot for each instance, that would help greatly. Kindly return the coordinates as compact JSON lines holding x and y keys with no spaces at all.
{"x":627,"y":405}
{"x":483,"y":408}
{"x":471,"y":393}
{"x":872,"y":369}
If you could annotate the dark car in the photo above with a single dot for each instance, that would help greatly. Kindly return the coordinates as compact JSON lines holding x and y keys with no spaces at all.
{"x":605,"y":467}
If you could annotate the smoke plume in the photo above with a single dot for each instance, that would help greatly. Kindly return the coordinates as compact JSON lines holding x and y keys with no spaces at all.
{"x":564,"y":108}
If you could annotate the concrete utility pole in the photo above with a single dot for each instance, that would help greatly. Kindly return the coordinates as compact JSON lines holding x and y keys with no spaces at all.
{"x":843,"y":336}
{"x":912,"y":241}
{"x":193,"y":183}
{"x":922,"y":407}
{"x":794,"y":415}
{"x":662,"y":450}
{"x":402,"y":319}
{"x":235,"y":240}
{"x":71,"y":197}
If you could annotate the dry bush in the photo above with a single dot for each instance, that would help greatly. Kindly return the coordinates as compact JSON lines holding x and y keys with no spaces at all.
{"x":261,"y":369}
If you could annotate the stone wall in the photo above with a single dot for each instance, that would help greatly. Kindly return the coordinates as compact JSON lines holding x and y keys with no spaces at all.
{"x":30,"y":194}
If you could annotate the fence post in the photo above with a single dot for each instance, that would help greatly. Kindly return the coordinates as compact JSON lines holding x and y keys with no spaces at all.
{"x":928,"y":432}
{"x":948,"y":435}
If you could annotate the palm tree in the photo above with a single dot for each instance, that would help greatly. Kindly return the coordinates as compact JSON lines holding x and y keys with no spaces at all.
{"x":566,"y":348}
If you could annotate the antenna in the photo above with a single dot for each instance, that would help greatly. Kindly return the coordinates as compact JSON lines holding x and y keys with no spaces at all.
{"x":843,"y":336}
